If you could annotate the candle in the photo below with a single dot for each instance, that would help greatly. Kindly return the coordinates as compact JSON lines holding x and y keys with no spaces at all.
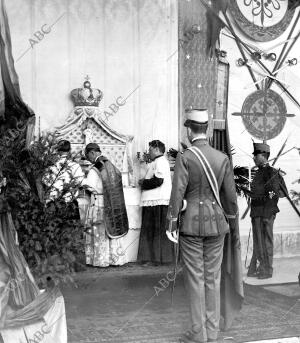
{"x":39,"y":128}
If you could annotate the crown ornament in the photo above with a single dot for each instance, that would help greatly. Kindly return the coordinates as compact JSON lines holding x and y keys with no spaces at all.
{"x":86,"y":96}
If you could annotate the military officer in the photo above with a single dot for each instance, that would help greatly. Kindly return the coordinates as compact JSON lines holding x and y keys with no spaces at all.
{"x":266,"y":189}
{"x":203,"y":225}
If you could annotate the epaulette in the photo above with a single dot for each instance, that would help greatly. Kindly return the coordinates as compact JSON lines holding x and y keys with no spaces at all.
{"x":183,"y":151}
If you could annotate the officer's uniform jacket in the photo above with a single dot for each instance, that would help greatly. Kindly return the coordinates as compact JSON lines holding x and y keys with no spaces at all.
{"x":203,"y":216}
{"x":266,"y":189}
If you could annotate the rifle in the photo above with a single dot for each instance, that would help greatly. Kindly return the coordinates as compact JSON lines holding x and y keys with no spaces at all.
{"x":283,"y":189}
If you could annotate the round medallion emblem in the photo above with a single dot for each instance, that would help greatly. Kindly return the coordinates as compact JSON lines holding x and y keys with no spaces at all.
{"x":261,"y":20}
{"x":264,"y":114}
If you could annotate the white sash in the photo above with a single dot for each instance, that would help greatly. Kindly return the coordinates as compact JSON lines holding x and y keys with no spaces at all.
{"x":208,"y":172}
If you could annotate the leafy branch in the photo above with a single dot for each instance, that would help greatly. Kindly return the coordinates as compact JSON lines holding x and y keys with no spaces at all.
{"x":50,"y":233}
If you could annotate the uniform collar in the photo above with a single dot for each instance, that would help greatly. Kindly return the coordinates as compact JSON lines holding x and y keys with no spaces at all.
{"x":200,"y":137}
{"x":264,"y":165}
{"x":199,"y":141}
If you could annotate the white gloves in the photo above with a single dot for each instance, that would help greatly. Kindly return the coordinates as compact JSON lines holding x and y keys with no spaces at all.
{"x":173,"y":236}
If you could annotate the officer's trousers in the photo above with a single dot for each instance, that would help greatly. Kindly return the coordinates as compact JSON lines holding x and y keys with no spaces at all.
{"x":202,"y":258}
{"x":262,"y":229}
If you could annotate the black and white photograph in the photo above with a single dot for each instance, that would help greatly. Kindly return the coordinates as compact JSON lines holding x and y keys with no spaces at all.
{"x":149,"y":171}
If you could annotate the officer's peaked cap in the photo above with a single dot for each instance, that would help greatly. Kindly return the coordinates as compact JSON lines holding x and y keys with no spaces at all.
{"x":197,"y":116}
{"x":260,"y":148}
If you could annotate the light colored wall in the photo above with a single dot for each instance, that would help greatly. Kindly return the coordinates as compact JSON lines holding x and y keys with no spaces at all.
{"x":120,"y":44}
{"x":241,"y":139}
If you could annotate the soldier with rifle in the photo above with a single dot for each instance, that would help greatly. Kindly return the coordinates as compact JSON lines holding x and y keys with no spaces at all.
{"x":266,"y":189}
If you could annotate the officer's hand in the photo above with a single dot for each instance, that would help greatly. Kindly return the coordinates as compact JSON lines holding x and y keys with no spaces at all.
{"x":172,"y":235}
{"x":271,"y":194}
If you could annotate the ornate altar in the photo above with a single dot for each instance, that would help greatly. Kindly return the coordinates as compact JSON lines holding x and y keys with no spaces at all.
{"x":85,"y":125}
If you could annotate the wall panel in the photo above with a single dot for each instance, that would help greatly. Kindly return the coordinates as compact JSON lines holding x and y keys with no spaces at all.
{"x":120,"y":44}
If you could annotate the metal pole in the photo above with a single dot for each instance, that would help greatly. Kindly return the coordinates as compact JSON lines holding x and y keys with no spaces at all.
{"x":241,"y":49}
{"x":250,"y":52}
{"x":289,"y":199}
{"x":284,"y":57}
{"x":280,"y":60}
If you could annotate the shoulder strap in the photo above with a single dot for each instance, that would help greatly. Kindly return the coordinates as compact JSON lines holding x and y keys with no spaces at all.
{"x":208,"y":172}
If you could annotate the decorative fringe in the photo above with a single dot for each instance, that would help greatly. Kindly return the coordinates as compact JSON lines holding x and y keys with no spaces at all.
{"x":219,"y":124}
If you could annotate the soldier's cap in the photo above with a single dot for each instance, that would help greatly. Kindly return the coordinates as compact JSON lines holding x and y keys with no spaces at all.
{"x":260,"y":148}
{"x":92,"y":146}
{"x":196,"y":115}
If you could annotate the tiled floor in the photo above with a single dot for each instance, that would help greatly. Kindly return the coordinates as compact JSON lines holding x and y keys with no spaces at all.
{"x":122,"y":305}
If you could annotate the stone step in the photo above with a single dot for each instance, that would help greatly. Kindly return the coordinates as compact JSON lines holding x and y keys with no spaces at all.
{"x":279,"y":340}
{"x":286,"y":231}
{"x":286,"y":244}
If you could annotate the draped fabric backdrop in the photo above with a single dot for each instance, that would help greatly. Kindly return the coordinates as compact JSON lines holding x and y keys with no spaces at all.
{"x":13,"y":112}
{"x":21,"y":304}
{"x":197,"y":72}
{"x":232,"y":291}
{"x":121,"y":45}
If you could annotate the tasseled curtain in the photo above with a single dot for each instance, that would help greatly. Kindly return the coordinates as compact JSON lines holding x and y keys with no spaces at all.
{"x":20,"y":300}
{"x":13,"y":110}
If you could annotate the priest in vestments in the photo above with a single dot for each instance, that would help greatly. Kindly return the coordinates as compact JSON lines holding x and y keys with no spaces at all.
{"x":107,"y":218}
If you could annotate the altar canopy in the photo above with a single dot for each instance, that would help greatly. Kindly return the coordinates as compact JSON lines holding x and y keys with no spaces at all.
{"x":85,"y":125}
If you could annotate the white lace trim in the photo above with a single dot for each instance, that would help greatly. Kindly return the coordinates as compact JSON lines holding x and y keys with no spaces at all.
{"x":154,"y":202}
